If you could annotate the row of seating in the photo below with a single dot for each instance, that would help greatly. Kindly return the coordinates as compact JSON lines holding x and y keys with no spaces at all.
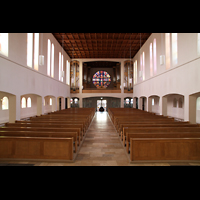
{"x":54,"y":136}
{"x":148,"y":136}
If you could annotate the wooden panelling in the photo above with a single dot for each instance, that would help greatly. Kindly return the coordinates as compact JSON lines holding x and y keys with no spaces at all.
{"x":165,"y":149}
{"x":101,"y":45}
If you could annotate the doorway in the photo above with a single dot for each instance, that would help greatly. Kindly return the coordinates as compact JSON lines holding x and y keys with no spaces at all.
{"x":65,"y":103}
{"x":59,"y":103}
{"x":102,"y":103}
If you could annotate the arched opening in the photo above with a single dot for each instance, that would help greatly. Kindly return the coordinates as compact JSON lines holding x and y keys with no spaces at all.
{"x":143,"y":103}
{"x":31,"y":105}
{"x":7,"y":107}
{"x":49,"y":104}
{"x":128,"y":102}
{"x":74,"y":102}
{"x":60,"y":103}
{"x":154,"y":104}
{"x":174,"y":106}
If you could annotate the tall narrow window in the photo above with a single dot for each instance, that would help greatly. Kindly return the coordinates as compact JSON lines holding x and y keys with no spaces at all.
{"x":5,"y":103}
{"x":143,"y":65}
{"x":151,"y":59}
{"x":23,"y":102}
{"x":48,"y":58}
{"x":174,"y":48}
{"x":68,"y":72}
{"x":154,"y":56}
{"x":167,"y":49}
{"x":29,"y":102}
{"x":4,"y":44}
{"x":29,"y":49}
{"x":36,"y":50}
{"x":52,"y":60}
{"x":135,"y":72}
{"x":62,"y":74}
{"x":60,"y":67}
{"x":60,"y":58}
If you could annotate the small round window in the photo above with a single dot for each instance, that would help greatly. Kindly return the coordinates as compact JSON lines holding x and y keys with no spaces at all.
{"x":101,"y":79}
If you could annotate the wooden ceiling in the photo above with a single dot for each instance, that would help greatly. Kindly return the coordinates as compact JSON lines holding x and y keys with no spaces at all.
{"x":101,"y":45}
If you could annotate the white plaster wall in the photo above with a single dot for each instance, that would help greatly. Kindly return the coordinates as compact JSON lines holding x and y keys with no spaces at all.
{"x":182,"y":78}
{"x":18,"y":79}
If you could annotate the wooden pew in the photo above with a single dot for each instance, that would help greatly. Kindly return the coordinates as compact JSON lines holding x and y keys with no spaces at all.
{"x":158,"y":124}
{"x":160,"y":135}
{"x":157,"y":130}
{"x":55,"y":130}
{"x":54,"y":122}
{"x":46,"y":125}
{"x":183,"y":149}
{"x":74,"y":135}
{"x":60,"y":119}
{"x":36,"y":148}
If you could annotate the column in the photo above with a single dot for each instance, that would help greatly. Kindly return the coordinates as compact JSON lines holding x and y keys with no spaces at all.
{"x":186,"y":107}
{"x":39,"y":105}
{"x":18,"y":107}
{"x":192,"y":109}
{"x":149,"y":104}
{"x":80,"y":102}
{"x":163,"y":106}
{"x":122,"y":102}
{"x":12,"y":109}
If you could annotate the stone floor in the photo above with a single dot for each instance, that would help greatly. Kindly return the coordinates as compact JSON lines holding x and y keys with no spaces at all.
{"x":102,"y":147}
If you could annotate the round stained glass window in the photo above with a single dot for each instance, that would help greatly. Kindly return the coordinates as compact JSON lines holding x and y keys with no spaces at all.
{"x":101,"y":79}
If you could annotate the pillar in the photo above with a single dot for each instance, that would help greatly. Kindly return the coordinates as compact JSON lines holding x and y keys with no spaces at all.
{"x":18,"y":107}
{"x":12,"y":109}
{"x":149,"y":104}
{"x":80,"y":102}
{"x":122,"y":102}
{"x":163,"y":106}
{"x":39,"y":105}
{"x":192,"y":109}
{"x":186,"y":107}
{"x":53,"y":104}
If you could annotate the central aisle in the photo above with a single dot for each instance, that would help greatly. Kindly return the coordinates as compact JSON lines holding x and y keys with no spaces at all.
{"x":101,"y":145}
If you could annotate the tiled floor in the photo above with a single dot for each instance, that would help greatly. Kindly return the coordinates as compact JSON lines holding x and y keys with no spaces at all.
{"x":102,"y":147}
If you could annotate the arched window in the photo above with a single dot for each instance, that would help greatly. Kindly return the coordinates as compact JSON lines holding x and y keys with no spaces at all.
{"x":198,"y":103}
{"x":50,"y":102}
{"x":180,"y":103}
{"x":101,"y":79}
{"x":29,"y":102}
{"x":5,"y":103}
{"x":175,"y":103}
{"x":23,"y":102}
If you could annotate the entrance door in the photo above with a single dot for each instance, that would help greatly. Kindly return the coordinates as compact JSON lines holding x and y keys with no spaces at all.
{"x":104,"y":104}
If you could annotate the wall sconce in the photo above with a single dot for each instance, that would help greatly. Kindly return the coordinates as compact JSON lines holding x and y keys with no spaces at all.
{"x":41,"y":60}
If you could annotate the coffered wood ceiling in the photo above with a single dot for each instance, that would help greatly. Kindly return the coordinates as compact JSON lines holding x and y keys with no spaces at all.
{"x":101,"y":45}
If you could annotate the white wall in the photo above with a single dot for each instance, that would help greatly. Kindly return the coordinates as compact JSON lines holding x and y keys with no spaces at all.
{"x":182,"y":78}
{"x":18,"y":79}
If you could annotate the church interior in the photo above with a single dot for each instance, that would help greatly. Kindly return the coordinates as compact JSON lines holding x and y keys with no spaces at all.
{"x":99,"y":99}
